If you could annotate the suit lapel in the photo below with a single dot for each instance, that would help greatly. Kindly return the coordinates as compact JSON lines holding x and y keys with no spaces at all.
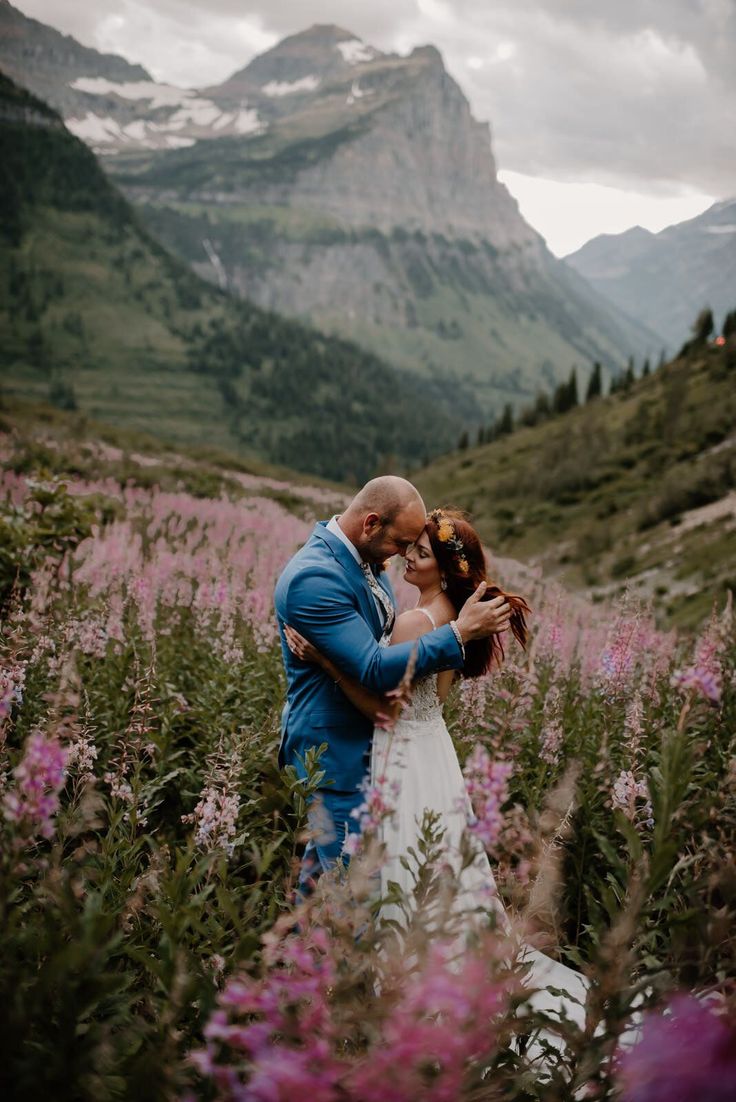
{"x":340,"y":552}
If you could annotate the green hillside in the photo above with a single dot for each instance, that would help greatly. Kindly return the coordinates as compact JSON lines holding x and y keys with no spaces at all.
{"x":96,"y":315}
{"x":636,"y":488}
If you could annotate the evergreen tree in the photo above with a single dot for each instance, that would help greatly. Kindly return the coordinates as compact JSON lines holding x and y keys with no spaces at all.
{"x":463,"y":441}
{"x":542,"y":405}
{"x":646,"y":369}
{"x":729,"y":325}
{"x":559,"y":398}
{"x":506,"y":423}
{"x":528,"y":416}
{"x":595,"y":383}
{"x":572,"y":389}
{"x":703,"y":326}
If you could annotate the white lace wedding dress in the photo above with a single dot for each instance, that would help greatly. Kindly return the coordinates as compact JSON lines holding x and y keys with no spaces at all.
{"x":418,"y":754}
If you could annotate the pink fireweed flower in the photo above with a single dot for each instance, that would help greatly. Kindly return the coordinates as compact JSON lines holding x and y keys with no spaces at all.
{"x":696,"y":679}
{"x":216,"y":818}
{"x":550,"y":743}
{"x":632,"y":797}
{"x":379,"y":803}
{"x":634,"y":722}
{"x":39,"y":778}
{"x":704,"y":677}
{"x":12,"y":681}
{"x":487,"y":787}
{"x":687,"y":1054}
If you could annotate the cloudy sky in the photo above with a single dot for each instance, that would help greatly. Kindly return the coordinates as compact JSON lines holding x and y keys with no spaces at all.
{"x":604,"y":113}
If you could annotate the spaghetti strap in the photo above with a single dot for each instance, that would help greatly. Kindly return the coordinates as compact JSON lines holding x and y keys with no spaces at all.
{"x":428,"y":614}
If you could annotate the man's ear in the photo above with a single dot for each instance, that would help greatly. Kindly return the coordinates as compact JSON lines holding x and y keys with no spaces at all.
{"x":371,"y":521}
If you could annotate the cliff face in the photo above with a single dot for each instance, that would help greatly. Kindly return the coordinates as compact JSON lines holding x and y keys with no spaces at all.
{"x":354,"y":189}
{"x":420,"y":162}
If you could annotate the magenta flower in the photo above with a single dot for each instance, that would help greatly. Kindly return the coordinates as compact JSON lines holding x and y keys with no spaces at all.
{"x":39,"y":778}
{"x":687,"y":1054}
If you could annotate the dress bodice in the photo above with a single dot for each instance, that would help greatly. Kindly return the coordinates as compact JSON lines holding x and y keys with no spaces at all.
{"x":425,"y":704}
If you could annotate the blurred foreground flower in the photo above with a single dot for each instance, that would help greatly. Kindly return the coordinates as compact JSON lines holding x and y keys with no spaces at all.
{"x":282,"y":1034}
{"x":687,"y":1054}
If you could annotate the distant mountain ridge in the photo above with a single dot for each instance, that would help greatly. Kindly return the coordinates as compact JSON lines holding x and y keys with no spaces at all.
{"x":354,"y":190}
{"x":664,"y":279}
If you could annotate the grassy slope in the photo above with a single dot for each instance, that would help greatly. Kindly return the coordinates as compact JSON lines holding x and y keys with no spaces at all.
{"x":65,"y":443}
{"x":610,"y":491}
{"x":94,"y":307}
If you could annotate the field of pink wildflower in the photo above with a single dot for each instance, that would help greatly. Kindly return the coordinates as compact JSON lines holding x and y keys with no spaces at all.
{"x":152,"y":948}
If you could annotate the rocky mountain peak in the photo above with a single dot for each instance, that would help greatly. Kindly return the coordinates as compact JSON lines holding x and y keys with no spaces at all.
{"x":308,"y":58}
{"x":430,"y":54}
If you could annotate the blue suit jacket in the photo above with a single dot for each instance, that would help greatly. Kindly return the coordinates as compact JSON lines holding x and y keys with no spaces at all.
{"x":324,"y":595}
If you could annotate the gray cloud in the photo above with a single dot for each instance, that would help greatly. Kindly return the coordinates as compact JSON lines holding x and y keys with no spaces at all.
{"x":631,"y":93}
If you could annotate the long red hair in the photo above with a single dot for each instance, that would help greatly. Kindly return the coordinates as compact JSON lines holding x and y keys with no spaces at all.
{"x":462,"y":562}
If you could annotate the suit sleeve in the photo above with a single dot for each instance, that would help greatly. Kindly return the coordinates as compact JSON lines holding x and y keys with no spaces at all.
{"x":324,"y":611}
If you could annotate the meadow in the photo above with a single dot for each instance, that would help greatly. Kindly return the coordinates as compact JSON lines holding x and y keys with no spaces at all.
{"x":152,"y":945}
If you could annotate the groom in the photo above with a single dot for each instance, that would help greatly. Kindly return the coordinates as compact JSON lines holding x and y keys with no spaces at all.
{"x":332,"y":593}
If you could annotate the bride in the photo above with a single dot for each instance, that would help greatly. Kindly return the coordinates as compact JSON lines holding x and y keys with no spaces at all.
{"x":415,"y":756}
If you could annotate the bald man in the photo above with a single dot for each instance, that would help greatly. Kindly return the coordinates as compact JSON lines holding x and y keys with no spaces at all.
{"x":333,"y":592}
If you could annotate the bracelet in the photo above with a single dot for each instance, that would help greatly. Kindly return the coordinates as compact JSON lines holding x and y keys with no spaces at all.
{"x":458,"y":636}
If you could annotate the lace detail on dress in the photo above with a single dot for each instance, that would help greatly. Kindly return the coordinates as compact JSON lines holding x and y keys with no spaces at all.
{"x":425,"y":703}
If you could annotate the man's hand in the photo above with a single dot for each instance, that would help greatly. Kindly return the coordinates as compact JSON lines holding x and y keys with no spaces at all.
{"x":478,"y":619}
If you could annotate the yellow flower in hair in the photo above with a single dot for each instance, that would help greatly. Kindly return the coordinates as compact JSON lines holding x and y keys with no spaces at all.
{"x":463,"y":565}
{"x":445,"y":531}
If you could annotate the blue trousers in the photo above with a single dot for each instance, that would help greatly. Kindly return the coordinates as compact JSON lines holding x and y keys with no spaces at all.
{"x":330,"y":822}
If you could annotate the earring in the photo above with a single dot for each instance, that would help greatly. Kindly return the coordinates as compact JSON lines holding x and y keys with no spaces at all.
{"x":443,"y":583}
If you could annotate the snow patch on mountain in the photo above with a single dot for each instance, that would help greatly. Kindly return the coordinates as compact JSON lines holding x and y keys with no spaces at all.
{"x":288,"y":88}
{"x":197,"y":112}
{"x":354,"y":51}
{"x":96,"y":129}
{"x":159,"y":95}
{"x":356,"y":92}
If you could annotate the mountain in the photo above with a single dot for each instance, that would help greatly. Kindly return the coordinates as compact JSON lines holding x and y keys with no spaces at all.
{"x":95,"y":314}
{"x":354,"y":190}
{"x":665,"y":279}
{"x":637,"y":489}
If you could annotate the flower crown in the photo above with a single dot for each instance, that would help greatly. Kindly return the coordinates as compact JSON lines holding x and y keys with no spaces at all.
{"x":447,"y":534}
